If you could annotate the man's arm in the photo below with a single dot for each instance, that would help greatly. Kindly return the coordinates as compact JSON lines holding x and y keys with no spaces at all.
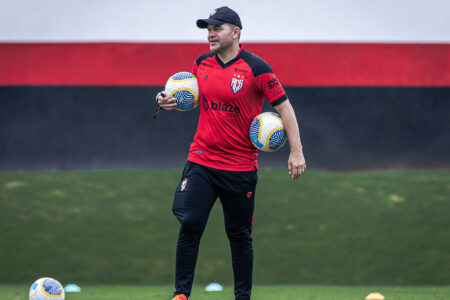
{"x":296,"y":162}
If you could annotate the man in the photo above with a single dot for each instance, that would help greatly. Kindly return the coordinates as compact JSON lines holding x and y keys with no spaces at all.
{"x":222,"y":162}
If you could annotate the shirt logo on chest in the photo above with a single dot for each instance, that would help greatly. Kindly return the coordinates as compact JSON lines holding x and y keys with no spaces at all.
{"x":236,"y":83}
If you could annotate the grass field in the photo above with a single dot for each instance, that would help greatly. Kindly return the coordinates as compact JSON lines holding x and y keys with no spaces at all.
{"x":282,"y":292}
{"x":116,"y":227}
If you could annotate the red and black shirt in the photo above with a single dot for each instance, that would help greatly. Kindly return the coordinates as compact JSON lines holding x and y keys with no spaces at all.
{"x":231,"y":95}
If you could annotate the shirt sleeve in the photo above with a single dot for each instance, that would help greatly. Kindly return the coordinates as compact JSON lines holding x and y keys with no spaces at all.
{"x":271,"y":88}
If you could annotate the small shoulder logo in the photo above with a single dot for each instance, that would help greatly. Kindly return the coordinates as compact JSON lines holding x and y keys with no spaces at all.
{"x":273,"y":83}
{"x":236,"y":83}
{"x":249,"y":194}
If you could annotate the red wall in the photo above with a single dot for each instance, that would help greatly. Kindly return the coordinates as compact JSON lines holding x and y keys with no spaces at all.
{"x":296,"y":64}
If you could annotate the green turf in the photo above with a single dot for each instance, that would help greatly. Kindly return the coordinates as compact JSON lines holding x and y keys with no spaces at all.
{"x":20,"y":292}
{"x":326,"y":228}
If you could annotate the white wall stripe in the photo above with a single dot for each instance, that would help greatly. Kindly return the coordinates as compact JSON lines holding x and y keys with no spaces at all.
{"x":265,"y":20}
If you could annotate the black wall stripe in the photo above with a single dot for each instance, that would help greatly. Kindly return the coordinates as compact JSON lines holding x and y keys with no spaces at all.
{"x":110,"y":127}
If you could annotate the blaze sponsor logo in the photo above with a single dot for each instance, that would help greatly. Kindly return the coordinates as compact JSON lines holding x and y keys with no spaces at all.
{"x":219,"y":106}
{"x":225,"y":107}
{"x":205,"y":104}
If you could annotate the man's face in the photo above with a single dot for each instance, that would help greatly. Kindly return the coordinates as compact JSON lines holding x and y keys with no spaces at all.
{"x":220,"y":37}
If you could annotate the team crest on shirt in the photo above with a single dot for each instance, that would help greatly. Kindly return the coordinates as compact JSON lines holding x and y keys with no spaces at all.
{"x":237,"y":82}
{"x":183,"y":184}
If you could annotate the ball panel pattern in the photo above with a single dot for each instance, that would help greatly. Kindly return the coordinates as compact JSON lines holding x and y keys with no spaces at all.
{"x":267,"y":132}
{"x":255,"y":132}
{"x":51,"y":287}
{"x":182,"y":76}
{"x":184,"y":87}
{"x":276,"y":139}
{"x":185,"y":99}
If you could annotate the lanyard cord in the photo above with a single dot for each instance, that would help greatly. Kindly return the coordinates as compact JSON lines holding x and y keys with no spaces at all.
{"x":159,"y":107}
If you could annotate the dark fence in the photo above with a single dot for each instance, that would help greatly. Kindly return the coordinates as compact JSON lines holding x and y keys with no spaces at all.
{"x":345,"y":128}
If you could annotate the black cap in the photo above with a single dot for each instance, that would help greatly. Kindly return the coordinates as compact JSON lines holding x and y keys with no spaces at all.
{"x":220,"y":16}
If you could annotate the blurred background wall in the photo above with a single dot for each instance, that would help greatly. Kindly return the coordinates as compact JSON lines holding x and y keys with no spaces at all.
{"x":77,"y":81}
{"x":370,"y":85}
{"x":68,"y":108}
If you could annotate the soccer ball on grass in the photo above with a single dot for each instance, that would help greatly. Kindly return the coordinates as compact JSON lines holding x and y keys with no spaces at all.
{"x":46,"y":289}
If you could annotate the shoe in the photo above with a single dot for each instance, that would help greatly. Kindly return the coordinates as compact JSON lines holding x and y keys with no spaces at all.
{"x":180,"y":297}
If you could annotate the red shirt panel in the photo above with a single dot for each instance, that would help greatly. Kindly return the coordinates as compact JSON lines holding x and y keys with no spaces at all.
{"x":231,"y":95}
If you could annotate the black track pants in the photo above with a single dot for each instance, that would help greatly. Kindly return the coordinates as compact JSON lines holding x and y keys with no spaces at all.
{"x":194,"y":198}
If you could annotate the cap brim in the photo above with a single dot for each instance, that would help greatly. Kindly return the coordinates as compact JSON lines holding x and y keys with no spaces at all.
{"x":203,"y":23}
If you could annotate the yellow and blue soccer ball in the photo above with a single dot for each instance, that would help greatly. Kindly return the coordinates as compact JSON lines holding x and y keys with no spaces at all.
{"x":46,"y":288}
{"x":183,"y":86}
{"x":267,"y":132}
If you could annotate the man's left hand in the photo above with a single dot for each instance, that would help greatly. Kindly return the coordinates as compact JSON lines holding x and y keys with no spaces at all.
{"x":296,"y":164}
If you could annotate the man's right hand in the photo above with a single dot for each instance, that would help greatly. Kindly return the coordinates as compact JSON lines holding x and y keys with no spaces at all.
{"x":165,"y":102}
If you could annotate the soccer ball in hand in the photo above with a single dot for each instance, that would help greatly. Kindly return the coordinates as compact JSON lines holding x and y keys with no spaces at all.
{"x":267,"y":132}
{"x":183,"y":86}
{"x":46,"y":289}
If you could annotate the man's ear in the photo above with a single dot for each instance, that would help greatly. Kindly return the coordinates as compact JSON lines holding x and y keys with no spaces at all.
{"x":237,"y":32}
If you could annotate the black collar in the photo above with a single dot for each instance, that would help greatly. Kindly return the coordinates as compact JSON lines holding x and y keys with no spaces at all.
{"x":231,"y":62}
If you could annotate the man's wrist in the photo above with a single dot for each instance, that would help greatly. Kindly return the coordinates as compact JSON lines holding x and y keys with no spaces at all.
{"x":298,"y":149}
